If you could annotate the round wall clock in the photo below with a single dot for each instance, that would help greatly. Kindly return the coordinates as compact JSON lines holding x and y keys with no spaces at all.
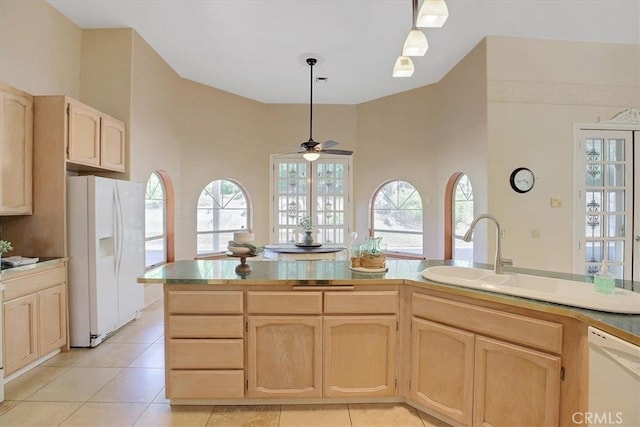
{"x":522,"y":180}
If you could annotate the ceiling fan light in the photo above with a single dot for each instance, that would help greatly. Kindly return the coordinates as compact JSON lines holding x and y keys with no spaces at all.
{"x":416,"y":44}
{"x":433,"y":14}
{"x":311,"y":156}
{"x":403,"y":67}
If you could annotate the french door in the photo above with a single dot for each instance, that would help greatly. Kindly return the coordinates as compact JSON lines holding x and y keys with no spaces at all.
{"x":319,"y":189}
{"x":607,"y":204}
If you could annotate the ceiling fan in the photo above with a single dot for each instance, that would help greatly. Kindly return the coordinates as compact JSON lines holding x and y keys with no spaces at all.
{"x":311,"y":149}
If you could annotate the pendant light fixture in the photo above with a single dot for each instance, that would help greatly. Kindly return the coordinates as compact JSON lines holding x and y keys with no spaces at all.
{"x":403,"y":67}
{"x":433,"y":14}
{"x":416,"y":43}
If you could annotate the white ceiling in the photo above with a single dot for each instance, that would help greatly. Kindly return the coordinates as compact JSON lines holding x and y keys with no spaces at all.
{"x":257,"y":48}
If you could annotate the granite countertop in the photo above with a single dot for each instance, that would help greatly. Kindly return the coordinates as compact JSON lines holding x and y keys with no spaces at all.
{"x":8,"y":272}
{"x":222,"y":272}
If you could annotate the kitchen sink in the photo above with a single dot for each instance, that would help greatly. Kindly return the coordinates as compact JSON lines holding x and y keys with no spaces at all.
{"x":561,"y":291}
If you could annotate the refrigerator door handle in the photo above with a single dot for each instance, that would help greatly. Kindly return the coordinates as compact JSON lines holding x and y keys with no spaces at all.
{"x":119,"y":231}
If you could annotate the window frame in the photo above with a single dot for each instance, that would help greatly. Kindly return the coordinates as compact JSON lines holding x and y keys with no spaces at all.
{"x":373,"y":229}
{"x":457,"y":237}
{"x":164,"y":234}
{"x":248,"y":221}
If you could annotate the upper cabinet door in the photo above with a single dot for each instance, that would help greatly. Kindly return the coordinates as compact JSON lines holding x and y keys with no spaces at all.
{"x":84,"y":135}
{"x":112,"y":148}
{"x":16,"y":151}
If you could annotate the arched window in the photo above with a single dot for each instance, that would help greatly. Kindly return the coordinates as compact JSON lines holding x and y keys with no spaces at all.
{"x":155,"y":221}
{"x":397,"y":217}
{"x":462,"y":211}
{"x":222,"y":209}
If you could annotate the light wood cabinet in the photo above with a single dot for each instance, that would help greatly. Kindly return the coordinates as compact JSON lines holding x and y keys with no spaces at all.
{"x":359,"y":356}
{"x":300,"y":346}
{"x":515,"y":384}
{"x":442,"y":365}
{"x":16,"y":151}
{"x":52,"y":315}
{"x":360,"y":343}
{"x":35,"y":317}
{"x":94,"y":138}
{"x":477,"y":380}
{"x":204,"y":344}
{"x":284,"y":356}
{"x":20,"y":332}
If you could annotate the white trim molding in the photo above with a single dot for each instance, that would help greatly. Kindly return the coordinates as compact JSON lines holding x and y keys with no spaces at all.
{"x":628,"y":116}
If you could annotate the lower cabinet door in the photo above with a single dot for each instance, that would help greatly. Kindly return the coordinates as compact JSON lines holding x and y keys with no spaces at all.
{"x":442,"y":360}
{"x":21,"y":339}
{"x":284,"y":356}
{"x":360,"y":356}
{"x":52,"y":310}
{"x":515,"y":385}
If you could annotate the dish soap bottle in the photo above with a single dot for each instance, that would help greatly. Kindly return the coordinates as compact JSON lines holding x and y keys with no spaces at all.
{"x":603,"y":281}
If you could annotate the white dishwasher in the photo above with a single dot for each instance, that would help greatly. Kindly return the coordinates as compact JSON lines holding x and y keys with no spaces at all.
{"x":614,"y":382}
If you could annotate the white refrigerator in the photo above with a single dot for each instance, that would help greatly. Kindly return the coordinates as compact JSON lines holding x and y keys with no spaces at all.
{"x":106,"y":255}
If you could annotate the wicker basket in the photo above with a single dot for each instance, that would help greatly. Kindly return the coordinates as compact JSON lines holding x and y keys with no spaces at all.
{"x":373,"y":261}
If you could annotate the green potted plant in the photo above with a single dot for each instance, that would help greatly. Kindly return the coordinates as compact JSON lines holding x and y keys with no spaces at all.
{"x":5,"y":246}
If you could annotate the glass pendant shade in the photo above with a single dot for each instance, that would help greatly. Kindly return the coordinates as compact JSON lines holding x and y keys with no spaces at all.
{"x":311,"y":156}
{"x":403,"y":67}
{"x":433,"y":14}
{"x":416,"y":44}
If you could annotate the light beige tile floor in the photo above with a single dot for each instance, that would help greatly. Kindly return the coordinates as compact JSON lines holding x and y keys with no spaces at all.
{"x":121,"y":383}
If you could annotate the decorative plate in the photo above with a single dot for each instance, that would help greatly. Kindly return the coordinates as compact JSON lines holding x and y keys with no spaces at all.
{"x":369,"y":270}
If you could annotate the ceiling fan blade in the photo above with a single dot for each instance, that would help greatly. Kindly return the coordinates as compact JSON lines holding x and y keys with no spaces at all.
{"x":342,"y":152}
{"x":328,"y":144}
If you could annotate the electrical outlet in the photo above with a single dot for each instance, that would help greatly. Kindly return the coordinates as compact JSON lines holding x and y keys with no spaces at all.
{"x":535,"y":233}
{"x":556,"y":202}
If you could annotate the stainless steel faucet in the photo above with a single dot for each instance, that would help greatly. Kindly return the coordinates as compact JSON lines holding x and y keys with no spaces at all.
{"x":499,"y":262}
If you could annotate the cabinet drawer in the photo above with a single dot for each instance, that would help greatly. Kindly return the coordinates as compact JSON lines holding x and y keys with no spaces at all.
{"x":374,"y":302}
{"x":34,"y":282}
{"x":206,"y":384}
{"x":206,"y":354}
{"x":284,"y":302}
{"x":205,"y":302}
{"x":186,"y":326}
{"x":510,"y":327}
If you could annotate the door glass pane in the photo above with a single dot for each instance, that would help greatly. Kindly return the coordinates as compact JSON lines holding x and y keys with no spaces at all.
{"x":593,"y":149}
{"x":615,"y":251}
{"x":593,"y":252}
{"x":594,"y":226}
{"x":616,"y":176}
{"x":616,"y":150}
{"x":615,"y":201}
{"x":615,"y":225}
{"x":594,"y":175}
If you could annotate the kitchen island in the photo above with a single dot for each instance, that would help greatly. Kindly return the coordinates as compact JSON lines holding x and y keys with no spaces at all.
{"x":318,"y":332}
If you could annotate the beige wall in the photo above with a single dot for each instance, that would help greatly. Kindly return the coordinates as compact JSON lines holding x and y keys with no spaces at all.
{"x":537,"y":91}
{"x":462,"y":146}
{"x":39,"y":49}
{"x":510,"y":102}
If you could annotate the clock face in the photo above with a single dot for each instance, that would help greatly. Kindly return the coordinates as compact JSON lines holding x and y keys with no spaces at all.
{"x":522,"y":180}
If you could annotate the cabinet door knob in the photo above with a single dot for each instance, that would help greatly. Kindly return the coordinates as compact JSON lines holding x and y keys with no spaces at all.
{"x":637,"y":238}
